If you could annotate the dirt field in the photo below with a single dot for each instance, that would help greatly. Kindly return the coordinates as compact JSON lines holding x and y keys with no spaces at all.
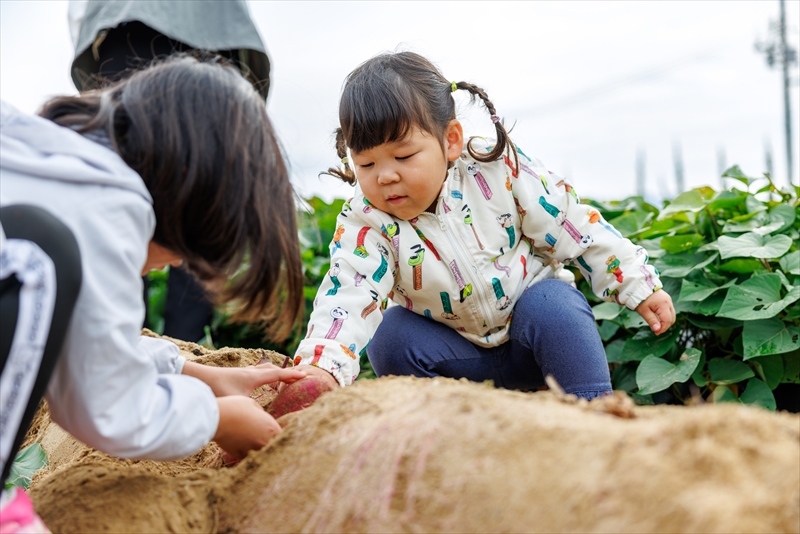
{"x":413,"y":455}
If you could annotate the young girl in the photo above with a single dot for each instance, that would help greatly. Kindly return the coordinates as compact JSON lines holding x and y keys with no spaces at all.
{"x":468,"y":241}
{"x":177,"y":164}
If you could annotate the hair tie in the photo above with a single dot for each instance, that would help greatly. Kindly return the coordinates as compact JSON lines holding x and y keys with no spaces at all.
{"x":345,"y":161}
{"x":453,"y":87}
{"x":495,"y":119}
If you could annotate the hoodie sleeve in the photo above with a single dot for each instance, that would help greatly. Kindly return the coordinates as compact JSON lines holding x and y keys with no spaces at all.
{"x":108,"y":389}
{"x":576,"y":234}
{"x":349,"y":304}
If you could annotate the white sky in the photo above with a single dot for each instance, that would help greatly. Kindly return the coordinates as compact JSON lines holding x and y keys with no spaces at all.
{"x":588,"y":83}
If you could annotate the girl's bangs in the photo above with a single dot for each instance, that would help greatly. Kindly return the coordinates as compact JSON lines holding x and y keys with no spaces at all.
{"x":382,"y":113}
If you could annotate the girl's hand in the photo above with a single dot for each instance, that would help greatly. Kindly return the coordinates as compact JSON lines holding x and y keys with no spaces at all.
{"x":226,"y":381}
{"x":243,"y":426}
{"x":658,"y":311}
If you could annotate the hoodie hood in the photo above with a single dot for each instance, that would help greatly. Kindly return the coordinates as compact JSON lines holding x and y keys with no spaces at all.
{"x":35,"y":146}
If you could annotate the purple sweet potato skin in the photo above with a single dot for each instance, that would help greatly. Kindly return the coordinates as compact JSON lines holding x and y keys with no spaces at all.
{"x":298,"y":395}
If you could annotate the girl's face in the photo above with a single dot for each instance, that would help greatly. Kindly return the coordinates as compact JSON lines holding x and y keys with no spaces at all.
{"x":403,"y":178}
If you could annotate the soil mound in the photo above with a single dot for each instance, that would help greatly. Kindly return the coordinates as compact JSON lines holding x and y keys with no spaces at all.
{"x":406,"y":454}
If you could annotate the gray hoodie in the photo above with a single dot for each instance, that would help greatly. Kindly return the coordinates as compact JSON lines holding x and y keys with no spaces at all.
{"x":111,"y":389}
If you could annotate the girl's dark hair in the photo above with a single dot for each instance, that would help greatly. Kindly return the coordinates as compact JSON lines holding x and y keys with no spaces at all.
{"x":388,"y":95}
{"x":198,"y":134}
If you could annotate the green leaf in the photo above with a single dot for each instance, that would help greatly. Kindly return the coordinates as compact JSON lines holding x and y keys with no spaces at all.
{"x":681,"y":243}
{"x":607,"y":329}
{"x":656,"y":374}
{"x":691,"y":291}
{"x":725,"y":371}
{"x":713,"y":323}
{"x":724,"y":394}
{"x":791,"y":367}
{"x":645,"y":343}
{"x":680,"y":265}
{"x":747,"y":222}
{"x":726,"y":199}
{"x":758,"y":393}
{"x":631,"y":222}
{"x":736,"y":173}
{"x":614,"y":351}
{"x":691,"y":201}
{"x":630,"y":319}
{"x":757,"y":298}
{"x":606,"y":310}
{"x":711,"y":305}
{"x":26,"y":463}
{"x":783,"y":213}
{"x":754,"y":245}
{"x":769,"y":336}
{"x":697,"y":376}
{"x":791,"y":263}
{"x":769,"y":228}
{"x":741,"y":266}
{"x":753,"y":205}
{"x":769,"y":369}
{"x":623,"y":377}
{"x":655,"y":229}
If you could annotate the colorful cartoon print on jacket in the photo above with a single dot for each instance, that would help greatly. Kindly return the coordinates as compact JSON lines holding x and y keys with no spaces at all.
{"x":496,"y":230}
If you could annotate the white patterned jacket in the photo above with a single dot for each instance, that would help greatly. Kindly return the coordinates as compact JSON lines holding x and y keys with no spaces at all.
{"x":494,"y":233}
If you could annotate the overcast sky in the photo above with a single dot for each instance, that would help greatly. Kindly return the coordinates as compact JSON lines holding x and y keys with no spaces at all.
{"x":588,"y":84}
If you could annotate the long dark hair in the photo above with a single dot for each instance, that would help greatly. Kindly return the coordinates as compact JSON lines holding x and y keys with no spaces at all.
{"x":389,"y":94}
{"x":198,"y":134}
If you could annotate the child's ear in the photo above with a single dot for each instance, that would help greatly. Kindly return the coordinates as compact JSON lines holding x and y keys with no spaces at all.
{"x":453,"y":140}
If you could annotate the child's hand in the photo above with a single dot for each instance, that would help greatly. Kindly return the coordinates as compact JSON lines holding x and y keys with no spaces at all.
{"x":658,"y":311}
{"x":313,"y":370}
{"x":243,"y":426}
{"x":226,"y":381}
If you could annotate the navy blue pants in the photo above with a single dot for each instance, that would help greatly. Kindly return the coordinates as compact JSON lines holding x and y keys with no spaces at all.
{"x":552,"y":332}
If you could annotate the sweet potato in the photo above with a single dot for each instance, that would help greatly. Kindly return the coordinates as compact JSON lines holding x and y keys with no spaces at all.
{"x":299,"y":395}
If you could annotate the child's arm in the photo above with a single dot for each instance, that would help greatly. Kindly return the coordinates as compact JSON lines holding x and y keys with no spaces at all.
{"x":347,"y":308}
{"x":225,"y":381}
{"x":574,"y":233}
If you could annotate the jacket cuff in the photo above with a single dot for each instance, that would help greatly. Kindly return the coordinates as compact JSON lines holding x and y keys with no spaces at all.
{"x":641,"y":290}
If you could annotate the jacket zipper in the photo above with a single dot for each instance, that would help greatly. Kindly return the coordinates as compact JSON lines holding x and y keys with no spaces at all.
{"x":478,"y":282}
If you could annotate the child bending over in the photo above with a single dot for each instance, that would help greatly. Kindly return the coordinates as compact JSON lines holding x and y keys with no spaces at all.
{"x":468,"y":240}
{"x":177,"y":164}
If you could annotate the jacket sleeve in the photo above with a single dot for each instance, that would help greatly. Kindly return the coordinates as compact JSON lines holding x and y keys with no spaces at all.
{"x":165,"y":354}
{"x":105,"y":390}
{"x":576,"y":234}
{"x":349,"y":304}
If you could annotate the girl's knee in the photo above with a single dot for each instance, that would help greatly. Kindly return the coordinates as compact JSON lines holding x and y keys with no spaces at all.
{"x":552,"y":300}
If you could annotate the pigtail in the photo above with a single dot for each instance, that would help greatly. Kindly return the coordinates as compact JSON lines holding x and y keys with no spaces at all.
{"x":504,"y":145}
{"x":345,"y":174}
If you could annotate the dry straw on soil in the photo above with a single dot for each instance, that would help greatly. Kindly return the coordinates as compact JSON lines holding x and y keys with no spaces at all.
{"x":405,"y":454}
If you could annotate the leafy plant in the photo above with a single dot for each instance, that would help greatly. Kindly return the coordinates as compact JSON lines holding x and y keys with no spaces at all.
{"x":26,"y":463}
{"x":730,"y":261}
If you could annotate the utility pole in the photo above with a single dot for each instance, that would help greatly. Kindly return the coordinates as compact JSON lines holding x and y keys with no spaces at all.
{"x":779,"y":52}
{"x":785,"y":58}
{"x":768,"y":156}
{"x":640,"y":177}
{"x":677,"y":160}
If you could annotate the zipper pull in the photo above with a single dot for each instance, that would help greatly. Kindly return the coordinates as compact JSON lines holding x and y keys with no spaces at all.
{"x":442,"y":225}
